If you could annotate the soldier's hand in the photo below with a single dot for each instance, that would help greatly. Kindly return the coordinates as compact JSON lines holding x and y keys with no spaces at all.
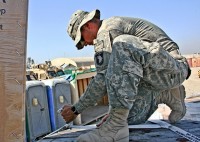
{"x":67,"y":114}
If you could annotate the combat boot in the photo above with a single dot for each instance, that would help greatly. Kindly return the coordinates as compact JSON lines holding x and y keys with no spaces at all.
{"x":174,"y":98}
{"x":114,"y":129}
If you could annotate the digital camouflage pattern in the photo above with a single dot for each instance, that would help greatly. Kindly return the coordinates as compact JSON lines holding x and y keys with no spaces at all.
{"x":135,"y":62}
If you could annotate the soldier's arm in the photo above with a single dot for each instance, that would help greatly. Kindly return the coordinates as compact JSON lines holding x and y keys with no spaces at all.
{"x":97,"y":86}
{"x":94,"y":92}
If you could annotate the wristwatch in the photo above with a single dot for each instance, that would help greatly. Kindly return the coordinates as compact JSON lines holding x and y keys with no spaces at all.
{"x":74,"y":110}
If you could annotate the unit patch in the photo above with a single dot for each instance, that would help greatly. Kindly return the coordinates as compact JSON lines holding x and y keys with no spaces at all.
{"x":99,"y":58}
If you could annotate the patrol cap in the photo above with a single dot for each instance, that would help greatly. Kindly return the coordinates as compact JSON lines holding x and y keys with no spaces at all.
{"x":78,"y":19}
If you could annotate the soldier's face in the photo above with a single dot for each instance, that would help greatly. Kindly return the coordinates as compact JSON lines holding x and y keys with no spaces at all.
{"x":88,"y":33}
{"x":87,"y":37}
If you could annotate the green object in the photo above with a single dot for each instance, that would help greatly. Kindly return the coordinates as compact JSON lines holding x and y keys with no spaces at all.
{"x":73,"y":75}
{"x":68,"y":71}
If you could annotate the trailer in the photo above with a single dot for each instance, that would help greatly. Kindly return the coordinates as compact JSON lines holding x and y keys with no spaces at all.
{"x":157,"y":129}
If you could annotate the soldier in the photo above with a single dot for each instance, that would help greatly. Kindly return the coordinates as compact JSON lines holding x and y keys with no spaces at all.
{"x":138,"y":66}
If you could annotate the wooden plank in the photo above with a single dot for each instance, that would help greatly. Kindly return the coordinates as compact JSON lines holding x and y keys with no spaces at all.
{"x":84,"y":84}
{"x":13,"y":37}
{"x":86,"y":75}
{"x":80,"y":87}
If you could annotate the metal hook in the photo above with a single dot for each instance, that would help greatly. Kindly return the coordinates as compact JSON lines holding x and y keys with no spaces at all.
{"x":18,"y":53}
{"x":17,"y":81}
{"x":19,"y":24}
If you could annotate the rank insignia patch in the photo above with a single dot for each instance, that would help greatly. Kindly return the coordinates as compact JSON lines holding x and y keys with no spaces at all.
{"x":99,"y":58}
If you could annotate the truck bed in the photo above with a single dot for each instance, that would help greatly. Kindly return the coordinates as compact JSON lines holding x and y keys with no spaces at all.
{"x":190,"y":123}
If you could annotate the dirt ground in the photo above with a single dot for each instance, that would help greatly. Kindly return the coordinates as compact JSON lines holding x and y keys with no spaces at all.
{"x":192,"y":85}
{"x":192,"y":88}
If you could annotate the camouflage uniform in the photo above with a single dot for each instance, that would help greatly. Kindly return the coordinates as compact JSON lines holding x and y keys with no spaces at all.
{"x":136,"y":61}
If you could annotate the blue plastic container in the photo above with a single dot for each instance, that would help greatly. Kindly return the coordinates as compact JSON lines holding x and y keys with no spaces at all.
{"x":58,"y":94}
{"x":37,"y":111}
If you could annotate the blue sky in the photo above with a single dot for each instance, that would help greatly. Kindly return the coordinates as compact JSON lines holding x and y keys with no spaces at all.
{"x":47,"y":21}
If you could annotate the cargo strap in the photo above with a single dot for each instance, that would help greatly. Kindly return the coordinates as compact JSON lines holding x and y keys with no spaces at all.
{"x":156,"y":124}
{"x":177,"y":130}
{"x":65,"y":127}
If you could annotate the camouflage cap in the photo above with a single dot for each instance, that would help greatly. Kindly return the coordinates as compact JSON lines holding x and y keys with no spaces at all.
{"x":78,"y":19}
